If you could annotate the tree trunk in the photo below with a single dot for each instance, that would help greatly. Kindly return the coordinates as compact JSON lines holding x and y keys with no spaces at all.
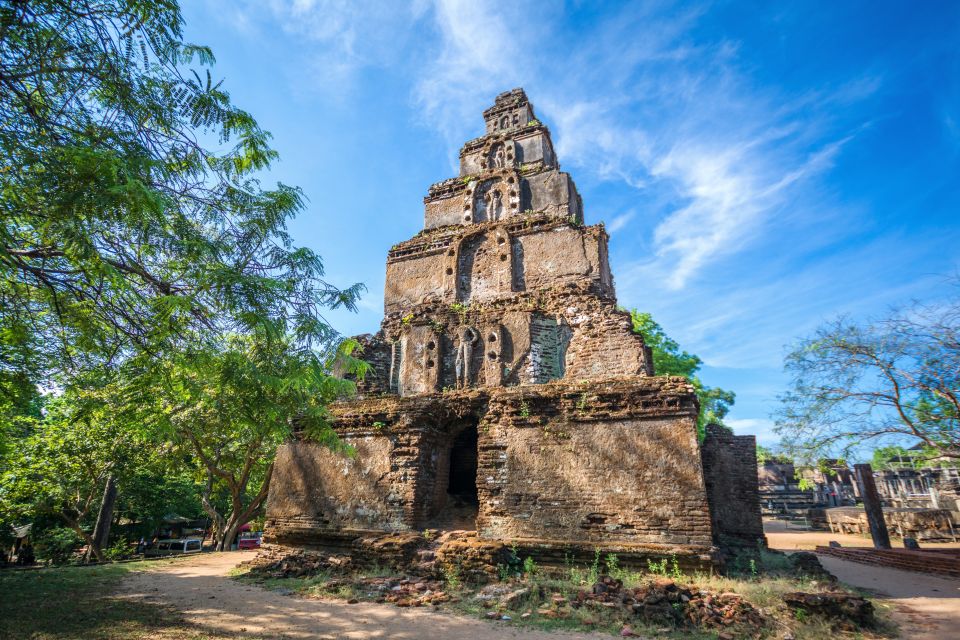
{"x":872,"y":506}
{"x":217,"y":521}
{"x":101,"y":531}
{"x":229,"y":533}
{"x":75,"y":525}
{"x":240,"y":515}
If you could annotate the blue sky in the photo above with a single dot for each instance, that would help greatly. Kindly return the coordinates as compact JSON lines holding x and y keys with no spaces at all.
{"x":761,"y":167}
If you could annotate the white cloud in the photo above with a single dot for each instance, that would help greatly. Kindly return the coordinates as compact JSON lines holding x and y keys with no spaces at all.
{"x":476,"y":57}
{"x":760,"y":427}
{"x":634,"y":97}
{"x":619,"y":222}
{"x":728,"y":192}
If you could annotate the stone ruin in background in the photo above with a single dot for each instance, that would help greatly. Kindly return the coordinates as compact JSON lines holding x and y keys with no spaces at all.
{"x":508,"y":394}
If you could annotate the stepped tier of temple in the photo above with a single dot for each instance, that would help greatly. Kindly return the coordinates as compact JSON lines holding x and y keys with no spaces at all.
{"x":508,"y":395}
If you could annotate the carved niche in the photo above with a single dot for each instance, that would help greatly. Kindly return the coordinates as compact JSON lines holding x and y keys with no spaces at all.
{"x":493,"y":361}
{"x":492,"y":199}
{"x":467,"y":338}
{"x":419,"y":361}
{"x":484,"y":266}
{"x":497,"y":154}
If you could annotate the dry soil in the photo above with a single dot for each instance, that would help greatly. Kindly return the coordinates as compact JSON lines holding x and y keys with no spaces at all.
{"x":201,"y":590}
{"x":926,"y":607}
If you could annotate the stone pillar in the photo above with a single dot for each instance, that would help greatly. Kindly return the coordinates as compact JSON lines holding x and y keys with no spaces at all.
{"x":871,"y":504}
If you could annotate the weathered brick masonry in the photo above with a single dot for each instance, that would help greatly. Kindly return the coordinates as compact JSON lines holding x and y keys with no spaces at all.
{"x":508,"y":393}
{"x":729,"y":464}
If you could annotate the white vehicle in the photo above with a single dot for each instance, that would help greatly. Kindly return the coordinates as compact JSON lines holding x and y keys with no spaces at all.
{"x":174,"y":547}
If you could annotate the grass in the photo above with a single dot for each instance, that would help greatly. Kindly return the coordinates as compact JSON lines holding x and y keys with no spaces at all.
{"x":80,"y":603}
{"x":762,"y":582}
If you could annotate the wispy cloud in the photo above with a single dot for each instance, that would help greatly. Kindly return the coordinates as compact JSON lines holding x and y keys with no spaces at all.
{"x":476,"y":55}
{"x":639,"y":100}
{"x":334,"y":40}
{"x":727,"y":194}
{"x":620,"y":221}
{"x":760,"y":427}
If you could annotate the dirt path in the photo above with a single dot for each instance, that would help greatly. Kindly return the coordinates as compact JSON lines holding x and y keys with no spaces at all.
{"x":926,"y":607}
{"x":199,"y":588}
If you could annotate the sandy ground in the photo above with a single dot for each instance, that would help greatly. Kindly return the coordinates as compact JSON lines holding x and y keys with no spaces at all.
{"x":199,"y":588}
{"x":926,"y":607}
{"x":781,"y":535}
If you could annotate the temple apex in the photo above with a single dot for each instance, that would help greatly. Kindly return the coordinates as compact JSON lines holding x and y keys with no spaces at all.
{"x":510,"y":110}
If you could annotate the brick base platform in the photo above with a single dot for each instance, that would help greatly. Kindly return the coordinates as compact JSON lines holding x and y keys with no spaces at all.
{"x":938,"y":561}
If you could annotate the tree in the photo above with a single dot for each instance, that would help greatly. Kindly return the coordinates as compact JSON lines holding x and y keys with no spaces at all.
{"x":137,"y":241}
{"x":670,"y":360}
{"x":893,"y":458}
{"x":765,"y":455}
{"x":227,"y":408}
{"x":62,"y":466}
{"x":122,"y":227}
{"x":892,"y":381}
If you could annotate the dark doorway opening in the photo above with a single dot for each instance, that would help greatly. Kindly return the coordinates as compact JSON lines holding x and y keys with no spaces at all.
{"x":456,"y":504}
{"x":463,"y":467}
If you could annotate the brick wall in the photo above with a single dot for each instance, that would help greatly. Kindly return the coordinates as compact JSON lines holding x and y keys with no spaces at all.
{"x":730,"y":474}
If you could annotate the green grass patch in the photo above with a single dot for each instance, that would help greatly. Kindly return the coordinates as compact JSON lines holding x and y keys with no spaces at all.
{"x":80,"y":603}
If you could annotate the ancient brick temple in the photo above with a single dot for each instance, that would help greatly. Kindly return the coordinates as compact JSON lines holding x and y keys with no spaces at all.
{"x":508,"y":394}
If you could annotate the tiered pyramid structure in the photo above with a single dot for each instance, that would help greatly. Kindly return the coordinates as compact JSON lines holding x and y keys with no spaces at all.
{"x":508,"y":394}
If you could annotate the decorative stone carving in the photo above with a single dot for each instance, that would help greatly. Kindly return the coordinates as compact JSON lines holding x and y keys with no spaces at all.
{"x":493,"y":364}
{"x":466,"y":336}
{"x":496,"y":205}
{"x":518,"y":313}
{"x":499,"y":157}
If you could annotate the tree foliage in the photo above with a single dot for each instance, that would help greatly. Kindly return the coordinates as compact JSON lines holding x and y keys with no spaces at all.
{"x":670,"y":360}
{"x":60,"y":467}
{"x":892,"y":381}
{"x":765,"y":455}
{"x":123,"y":226}
{"x":226,"y":411}
{"x":148,"y":283}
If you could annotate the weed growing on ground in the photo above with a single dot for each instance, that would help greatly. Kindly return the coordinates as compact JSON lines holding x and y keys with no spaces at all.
{"x":77,"y":602}
{"x":551,"y":598}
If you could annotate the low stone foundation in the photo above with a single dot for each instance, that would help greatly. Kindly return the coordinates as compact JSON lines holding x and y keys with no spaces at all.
{"x":561,"y":469}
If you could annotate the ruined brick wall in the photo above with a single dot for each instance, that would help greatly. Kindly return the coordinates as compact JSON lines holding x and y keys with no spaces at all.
{"x":393,"y":479}
{"x":314,"y":486}
{"x":730,"y":472}
{"x":614,"y":461}
{"x":489,"y":261}
{"x":501,"y":328}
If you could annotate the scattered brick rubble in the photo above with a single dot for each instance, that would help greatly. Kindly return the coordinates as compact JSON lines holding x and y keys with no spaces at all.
{"x":850,"y":612}
{"x":666,"y":602}
{"x":659,"y":602}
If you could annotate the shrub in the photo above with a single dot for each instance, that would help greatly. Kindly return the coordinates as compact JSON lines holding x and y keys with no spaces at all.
{"x":119,"y":550}
{"x":56,"y":545}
